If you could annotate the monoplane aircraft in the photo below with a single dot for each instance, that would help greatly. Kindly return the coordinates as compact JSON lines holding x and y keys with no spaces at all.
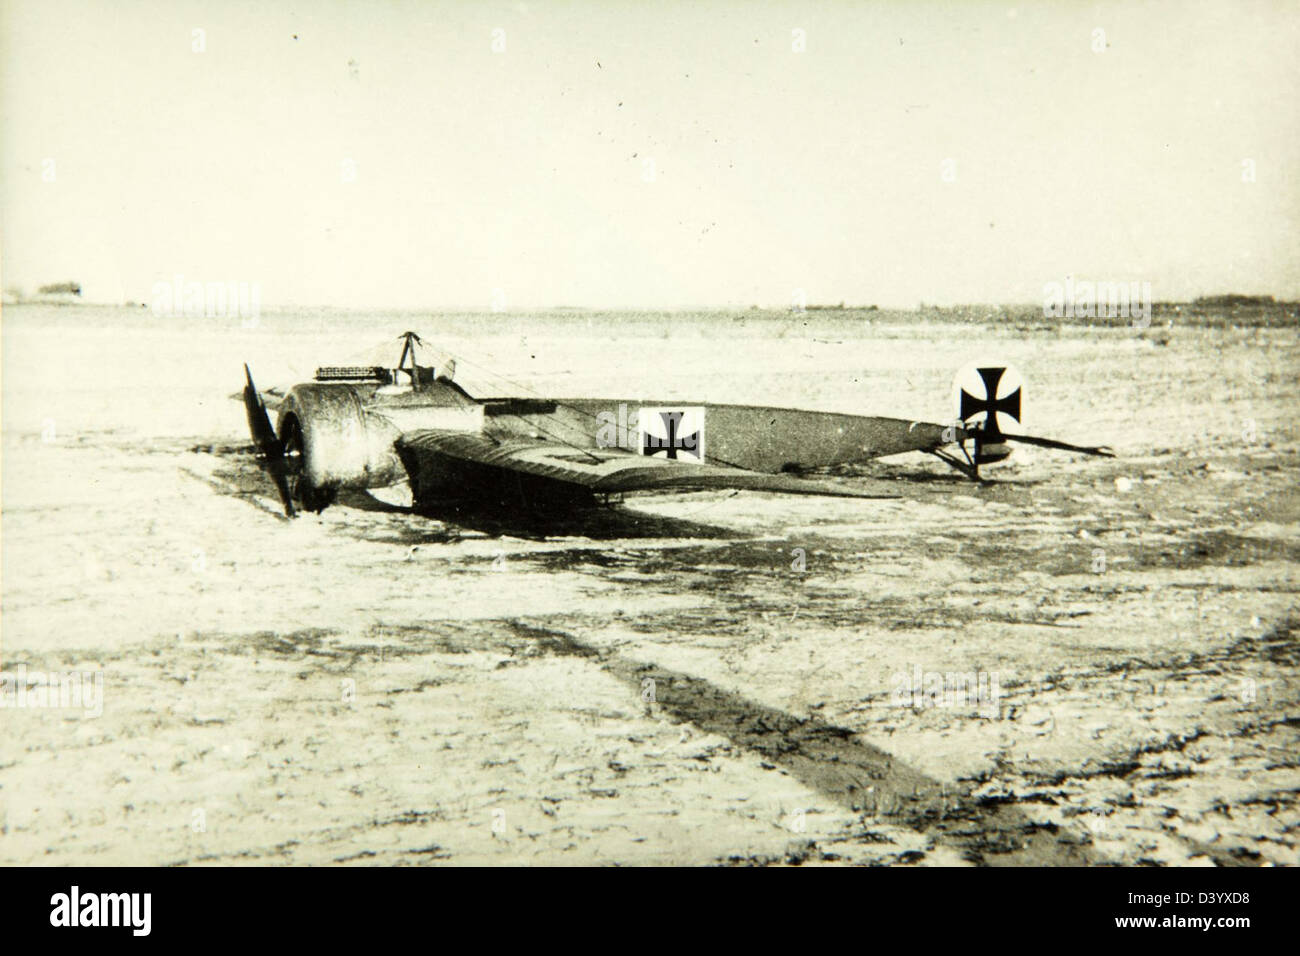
{"x":365,"y":427}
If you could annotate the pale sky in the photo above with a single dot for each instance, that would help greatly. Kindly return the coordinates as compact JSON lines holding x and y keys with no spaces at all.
{"x":773,"y":170}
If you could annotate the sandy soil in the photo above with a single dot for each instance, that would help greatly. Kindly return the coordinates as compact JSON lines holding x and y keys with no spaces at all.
{"x":705,"y":678}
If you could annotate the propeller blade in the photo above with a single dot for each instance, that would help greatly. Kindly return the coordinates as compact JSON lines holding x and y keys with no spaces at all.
{"x":259,"y":423}
{"x":1101,"y":450}
{"x":267,"y":442}
{"x":282,"y":486}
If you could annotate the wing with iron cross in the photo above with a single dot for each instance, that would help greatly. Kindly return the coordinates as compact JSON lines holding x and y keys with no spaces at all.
{"x":447,"y":464}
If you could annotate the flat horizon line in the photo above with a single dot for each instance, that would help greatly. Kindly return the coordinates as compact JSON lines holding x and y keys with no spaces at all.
{"x":60,"y":300}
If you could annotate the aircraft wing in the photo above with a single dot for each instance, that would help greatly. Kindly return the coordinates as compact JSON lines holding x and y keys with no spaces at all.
{"x":440,"y":462}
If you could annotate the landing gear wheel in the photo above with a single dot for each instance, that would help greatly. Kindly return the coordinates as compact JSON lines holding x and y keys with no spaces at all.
{"x":315,"y":499}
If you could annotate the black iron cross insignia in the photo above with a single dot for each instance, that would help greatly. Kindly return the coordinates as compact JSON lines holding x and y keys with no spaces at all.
{"x":990,"y":404}
{"x":652,"y":445}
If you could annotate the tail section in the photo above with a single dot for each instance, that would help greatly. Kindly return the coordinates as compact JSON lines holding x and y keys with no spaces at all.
{"x":987,"y":399}
{"x":988,"y":402}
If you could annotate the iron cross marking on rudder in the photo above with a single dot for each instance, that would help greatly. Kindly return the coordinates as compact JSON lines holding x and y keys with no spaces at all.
{"x":672,"y":420}
{"x":990,"y":404}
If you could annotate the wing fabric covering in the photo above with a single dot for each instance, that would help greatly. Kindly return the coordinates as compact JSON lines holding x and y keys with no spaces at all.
{"x":457,"y":464}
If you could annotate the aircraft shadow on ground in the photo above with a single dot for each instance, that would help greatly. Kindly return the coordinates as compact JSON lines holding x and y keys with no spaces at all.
{"x":242,"y":479}
{"x":945,"y":480}
{"x":239,"y":476}
{"x":600,"y":522}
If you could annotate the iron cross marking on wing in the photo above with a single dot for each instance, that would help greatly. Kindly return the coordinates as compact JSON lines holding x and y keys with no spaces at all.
{"x":990,"y":404}
{"x":652,"y":444}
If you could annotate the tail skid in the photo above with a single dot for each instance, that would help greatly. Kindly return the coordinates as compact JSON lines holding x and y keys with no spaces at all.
{"x":969,"y":463}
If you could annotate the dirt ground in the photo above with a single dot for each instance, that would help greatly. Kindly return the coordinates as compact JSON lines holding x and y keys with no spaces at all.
{"x":694,"y":678}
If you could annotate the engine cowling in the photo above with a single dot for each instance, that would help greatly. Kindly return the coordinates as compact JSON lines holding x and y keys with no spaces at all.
{"x":342,"y":443}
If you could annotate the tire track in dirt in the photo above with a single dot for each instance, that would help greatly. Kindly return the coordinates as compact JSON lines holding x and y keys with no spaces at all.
{"x":831,"y":760}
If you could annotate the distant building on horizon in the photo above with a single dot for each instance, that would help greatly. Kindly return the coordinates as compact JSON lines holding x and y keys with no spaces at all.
{"x":60,"y":288}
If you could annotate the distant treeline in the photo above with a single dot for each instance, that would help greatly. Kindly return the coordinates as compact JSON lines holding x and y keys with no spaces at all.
{"x":1232,"y":300}
{"x":841,"y":308}
{"x":1206,"y":312}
